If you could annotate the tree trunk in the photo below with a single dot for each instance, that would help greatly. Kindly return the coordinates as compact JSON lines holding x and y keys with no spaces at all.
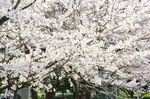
{"x":75,"y":95}
{"x":75,"y":92}
{"x":63,"y":96}
{"x":80,"y":95}
{"x":50,"y":95}
{"x":34,"y":94}
{"x":15,"y":95}
{"x":88,"y":94}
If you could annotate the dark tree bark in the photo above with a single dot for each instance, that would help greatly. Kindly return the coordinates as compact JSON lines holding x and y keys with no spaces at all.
{"x":88,"y":94}
{"x":15,"y":95}
{"x":3,"y":20}
{"x":75,"y":93}
{"x":34,"y":94}
{"x":50,"y":95}
{"x":80,"y":95}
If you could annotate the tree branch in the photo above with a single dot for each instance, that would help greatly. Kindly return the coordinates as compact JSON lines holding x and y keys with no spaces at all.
{"x":17,"y":4}
{"x":28,"y":5}
{"x":3,"y":20}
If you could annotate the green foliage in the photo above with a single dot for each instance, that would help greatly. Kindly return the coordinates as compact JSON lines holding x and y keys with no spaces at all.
{"x":41,"y":94}
{"x":63,"y":85}
{"x":2,"y":50}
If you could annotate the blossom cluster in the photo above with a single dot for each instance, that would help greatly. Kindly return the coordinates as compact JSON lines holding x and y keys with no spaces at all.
{"x":100,"y":41}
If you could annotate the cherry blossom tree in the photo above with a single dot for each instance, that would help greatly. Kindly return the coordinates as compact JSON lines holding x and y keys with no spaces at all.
{"x":101,"y":42}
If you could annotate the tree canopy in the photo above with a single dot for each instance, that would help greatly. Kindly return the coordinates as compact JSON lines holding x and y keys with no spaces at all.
{"x":104,"y":42}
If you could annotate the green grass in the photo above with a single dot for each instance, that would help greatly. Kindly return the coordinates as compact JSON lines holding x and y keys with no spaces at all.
{"x":147,"y":95}
{"x":122,"y":95}
{"x":65,"y":94}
